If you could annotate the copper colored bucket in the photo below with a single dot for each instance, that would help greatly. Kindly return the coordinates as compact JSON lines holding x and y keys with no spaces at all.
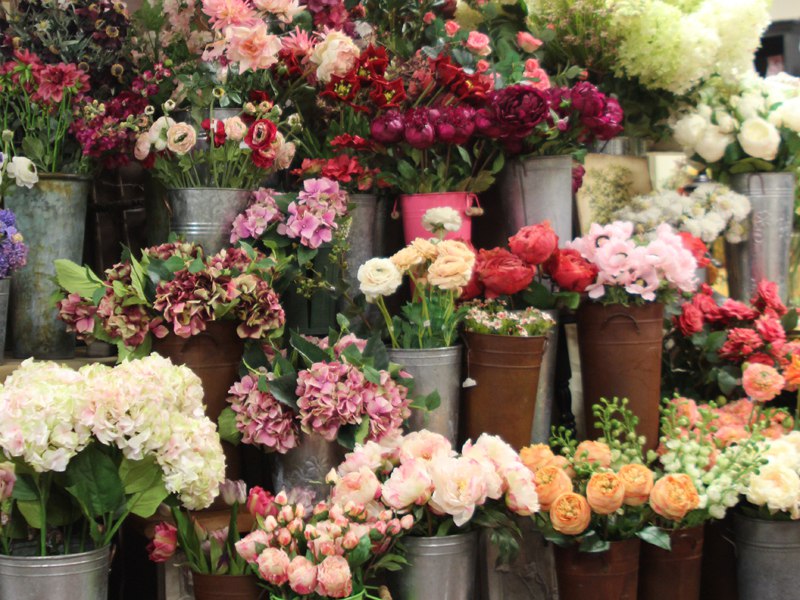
{"x":226,"y":587}
{"x":609,"y":575}
{"x":506,"y":374}
{"x":673,"y":575}
{"x":214,"y":356}
{"x":620,"y":350}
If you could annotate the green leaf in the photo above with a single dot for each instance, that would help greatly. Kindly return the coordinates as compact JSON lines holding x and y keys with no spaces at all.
{"x":93,"y":479}
{"x":138,"y":278}
{"x":175,"y":263}
{"x":77,"y":279}
{"x":25,"y":489}
{"x":592,"y":543}
{"x":371,"y":375}
{"x":789,"y":320}
{"x":655,"y":536}
{"x":137,"y":475}
{"x":226,"y":423}
{"x":197,"y":265}
{"x":310,"y":352}
{"x":464,"y":155}
{"x":406,"y":170}
{"x":376,"y":350}
{"x":539,"y":296}
{"x":727,"y":382}
{"x":361,"y":553}
{"x":145,"y":503}
{"x":283,"y":388}
{"x":306,"y":255}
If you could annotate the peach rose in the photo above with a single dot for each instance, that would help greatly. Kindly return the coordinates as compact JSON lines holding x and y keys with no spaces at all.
{"x":591,"y":452}
{"x":181,"y":138}
{"x":406,"y":258}
{"x":536,"y":456}
{"x":551,"y":482}
{"x":478,"y":43}
{"x":570,"y":514}
{"x":673,"y":496}
{"x":426,"y":248}
{"x":605,"y":493}
{"x":638,"y":481}
{"x":562,"y":462}
{"x":449,"y":272}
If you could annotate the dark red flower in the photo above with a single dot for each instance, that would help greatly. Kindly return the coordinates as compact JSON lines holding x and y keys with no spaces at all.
{"x":515,"y":111}
{"x":388,"y":94}
{"x":388,"y":128}
{"x":356,"y":142}
{"x":578,"y":171}
{"x":54,"y":81}
{"x":261,"y":135}
{"x":219,"y":130}
{"x":343,"y":168}
{"x":259,"y":96}
{"x":372,"y":63}
{"x":343,"y":89}
{"x":446,"y":72}
{"x":263,"y":158}
{"x":419,"y":130}
{"x":570,"y":271}
{"x":455,"y":125}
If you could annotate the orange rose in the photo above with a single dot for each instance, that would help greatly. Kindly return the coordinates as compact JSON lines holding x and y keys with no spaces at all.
{"x":605,"y":493}
{"x":673,"y":496}
{"x":570,"y":514}
{"x":536,"y":456}
{"x":551,"y":482}
{"x":563,"y":463}
{"x":591,"y":452}
{"x":638,"y":481}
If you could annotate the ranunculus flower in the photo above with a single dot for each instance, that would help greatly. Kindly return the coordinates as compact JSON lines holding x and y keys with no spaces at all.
{"x":570,"y":514}
{"x":592,"y":452}
{"x":673,"y":496}
{"x":759,"y":138}
{"x":441,"y":218}
{"x":23,"y":172}
{"x":605,"y":493}
{"x":551,"y":482}
{"x":164,"y":544}
{"x":534,"y":243}
{"x":302,"y":575}
{"x":570,"y":271}
{"x":379,"y":277}
{"x":762,"y":382}
{"x":261,"y":134}
{"x":638,"y":482}
{"x":478,"y":43}
{"x":406,"y":258}
{"x":181,"y":138}
{"x":776,"y":486}
{"x":536,"y":456}
{"x":273,"y":566}
{"x":502,"y":273}
{"x":449,"y":272}
{"x":142,"y":148}
{"x":334,"y":579}
{"x":527,"y":42}
{"x":235,"y":128}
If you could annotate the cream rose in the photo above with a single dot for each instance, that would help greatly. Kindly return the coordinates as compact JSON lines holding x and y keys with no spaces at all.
{"x":23,"y":172}
{"x":712,"y":144}
{"x":406,"y":258}
{"x":441,"y":218}
{"x":449,"y":272}
{"x":777,"y":487}
{"x":379,"y":277}
{"x":181,"y":138}
{"x":789,"y":113}
{"x":688,"y":130}
{"x":759,"y":138}
{"x":334,"y":55}
{"x":235,"y":128}
{"x":605,"y":493}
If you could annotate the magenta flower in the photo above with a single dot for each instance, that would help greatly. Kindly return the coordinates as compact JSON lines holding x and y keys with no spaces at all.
{"x":388,"y":128}
{"x":262,"y":212}
{"x":419,"y":130}
{"x":261,"y":419}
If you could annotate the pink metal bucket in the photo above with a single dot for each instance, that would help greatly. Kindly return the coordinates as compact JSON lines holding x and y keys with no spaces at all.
{"x":414,"y":206}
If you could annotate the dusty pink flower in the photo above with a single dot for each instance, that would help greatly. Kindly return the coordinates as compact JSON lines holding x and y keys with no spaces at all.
{"x":78,"y":314}
{"x":253,"y":47}
{"x":478,"y":43}
{"x":387,"y":405}
{"x":330,"y":395}
{"x":302,"y":575}
{"x":186,"y":302}
{"x":262,"y":212}
{"x":7,"y":480}
{"x":409,"y":484}
{"x":527,"y":42}
{"x":334,"y":578}
{"x":248,"y":546}
{"x":424,"y":445}
{"x":451,"y":28}
{"x":262,"y":420}
{"x":227,"y":13}
{"x":165,"y":541}
{"x":359,"y":487}
{"x":273,"y":566}
{"x":762,"y":382}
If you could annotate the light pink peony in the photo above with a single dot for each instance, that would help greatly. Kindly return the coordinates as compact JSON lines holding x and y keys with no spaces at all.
{"x":459,"y":487}
{"x":521,"y":497}
{"x":360,"y":487}
{"x":273,"y":566}
{"x":302,"y":575}
{"x":227,"y":13}
{"x":250,"y":545}
{"x":424,"y":445}
{"x":334,"y":578}
{"x":409,"y":484}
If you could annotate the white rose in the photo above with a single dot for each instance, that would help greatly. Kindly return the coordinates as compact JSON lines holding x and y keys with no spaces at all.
{"x":789,"y":113}
{"x":441,"y":217}
{"x":727,"y":124}
{"x":712,"y":144}
{"x":23,"y":172}
{"x":777,"y":487}
{"x":379,"y":277}
{"x":759,"y":138}
{"x":751,"y":105}
{"x":689,"y":129}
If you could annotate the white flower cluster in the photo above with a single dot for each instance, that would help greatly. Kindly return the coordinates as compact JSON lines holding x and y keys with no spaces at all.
{"x":777,"y":484}
{"x":752,"y":113}
{"x":148,"y":407}
{"x":709,"y":211}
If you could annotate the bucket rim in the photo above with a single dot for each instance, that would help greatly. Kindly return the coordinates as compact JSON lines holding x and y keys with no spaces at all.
{"x":206,"y":189}
{"x":97,"y":552}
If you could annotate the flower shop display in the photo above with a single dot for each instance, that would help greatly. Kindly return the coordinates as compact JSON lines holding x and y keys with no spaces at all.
{"x":13,"y":256}
{"x":106,"y":443}
{"x":447,"y":496}
{"x":424,"y":336}
{"x":620,"y":329}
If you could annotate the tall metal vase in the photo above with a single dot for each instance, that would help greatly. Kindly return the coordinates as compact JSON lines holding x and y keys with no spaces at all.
{"x":536,"y":189}
{"x":362,"y":235}
{"x":434,"y":369}
{"x":302,"y":470}
{"x":205,"y":215}
{"x":52,"y":217}
{"x":766,"y":253}
{"x":764,"y":551}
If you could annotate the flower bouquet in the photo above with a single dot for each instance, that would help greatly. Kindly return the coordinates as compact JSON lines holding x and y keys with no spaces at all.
{"x":106,"y":443}
{"x":171,"y":288}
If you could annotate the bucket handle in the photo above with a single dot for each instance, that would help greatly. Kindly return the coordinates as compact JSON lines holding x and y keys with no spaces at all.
{"x":732,"y":542}
{"x":395,"y":213}
{"x":623,"y":315}
{"x":473,"y":208}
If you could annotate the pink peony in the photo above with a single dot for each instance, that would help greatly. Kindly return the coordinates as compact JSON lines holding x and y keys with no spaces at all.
{"x":164,"y":544}
{"x":273,"y":566}
{"x":459,"y":487}
{"x":253,"y":47}
{"x":409,"y":484}
{"x":334,"y":578}
{"x":762,"y":382}
{"x":424,"y":445}
{"x":302,"y":575}
{"x":250,"y":545}
{"x":521,"y":497}
{"x":227,"y":13}
{"x":360,"y":487}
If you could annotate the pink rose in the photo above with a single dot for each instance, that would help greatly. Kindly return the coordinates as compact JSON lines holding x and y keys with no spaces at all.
{"x":334,"y":578}
{"x":478,"y":43}
{"x":302,"y":575}
{"x":451,"y":28}
{"x":428,"y":18}
{"x":527,"y":42}
{"x":273,"y":566}
{"x":165,"y":541}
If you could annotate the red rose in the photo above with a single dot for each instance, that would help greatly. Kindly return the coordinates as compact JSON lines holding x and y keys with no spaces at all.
{"x":570,"y":271}
{"x":535,"y":243}
{"x":690,"y":320}
{"x":697,"y":247}
{"x":740,"y":344}
{"x":733,"y":310}
{"x":770,"y":330}
{"x":767,"y":296}
{"x":261,"y":135}
{"x":503,"y":273}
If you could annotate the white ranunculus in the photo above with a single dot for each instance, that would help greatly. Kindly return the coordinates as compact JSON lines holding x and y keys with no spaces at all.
{"x":689,"y":130}
{"x":23,"y":172}
{"x":759,"y":138}
{"x":379,"y":277}
{"x":789,"y":113}
{"x":712,"y":144}
{"x":158,"y":132}
{"x":751,"y":105}
{"x":441,"y":217}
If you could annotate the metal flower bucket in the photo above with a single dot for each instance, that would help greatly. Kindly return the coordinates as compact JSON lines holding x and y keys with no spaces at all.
{"x":205,"y":215}
{"x":302,"y":470}
{"x":766,"y":552}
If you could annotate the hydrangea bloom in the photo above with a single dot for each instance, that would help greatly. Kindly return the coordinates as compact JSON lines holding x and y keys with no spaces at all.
{"x":262,"y":420}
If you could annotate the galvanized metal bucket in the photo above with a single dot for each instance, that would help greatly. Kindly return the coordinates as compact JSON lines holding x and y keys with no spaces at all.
{"x":766,"y":555}
{"x":440,"y":568}
{"x":81,"y":576}
{"x":622,"y":145}
{"x":52,"y":217}
{"x":302,"y":470}
{"x":434,"y":369}
{"x":361,"y":237}
{"x":5,"y":291}
{"x":537,"y":189}
{"x":546,"y":392}
{"x":766,"y":253}
{"x":205,"y":215}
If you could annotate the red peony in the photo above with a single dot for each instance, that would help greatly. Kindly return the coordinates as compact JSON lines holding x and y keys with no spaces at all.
{"x":570,"y":271}
{"x":768,"y":296}
{"x":261,"y":135}
{"x":502,"y":273}
{"x":517,"y":109}
{"x":690,"y":321}
{"x":535,"y":243}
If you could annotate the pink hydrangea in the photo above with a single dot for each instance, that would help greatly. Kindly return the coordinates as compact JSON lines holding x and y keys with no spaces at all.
{"x":261,"y":419}
{"x":324,"y":192}
{"x":312,"y":227}
{"x":387,"y":405}
{"x":330,"y":395}
{"x":78,"y":314}
{"x":262,"y":212}
{"x":186,"y":302}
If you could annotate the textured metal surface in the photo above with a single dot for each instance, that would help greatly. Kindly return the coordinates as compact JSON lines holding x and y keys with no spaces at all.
{"x":71,"y":577}
{"x":5,"y":290}
{"x":440,"y":568}
{"x":52,"y":217}
{"x":766,"y":552}
{"x":766,"y":253}
{"x":546,"y":392}
{"x":434,"y":369}
{"x":205,"y":215}
{"x":537,"y":189}
{"x":304,"y":468}
{"x":622,"y":146}
{"x":362,"y":235}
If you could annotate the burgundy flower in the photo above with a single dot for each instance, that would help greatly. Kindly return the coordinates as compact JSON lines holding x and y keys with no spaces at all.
{"x":388,"y":94}
{"x":388,"y":128}
{"x":578,"y":171}
{"x":609,"y":123}
{"x":419,"y":129}
{"x":372,"y":63}
{"x":455,"y":125}
{"x":515,"y":111}
{"x":587,"y":99}
{"x":261,"y":135}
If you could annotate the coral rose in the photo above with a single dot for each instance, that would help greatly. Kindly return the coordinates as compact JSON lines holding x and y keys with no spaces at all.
{"x":638,"y":482}
{"x":605,"y":493}
{"x":535,"y":243}
{"x":592,"y":452}
{"x":536,"y":456}
{"x":570,"y":514}
{"x":673,"y":496}
{"x":478,"y":43}
{"x":762,"y":382}
{"x":502,"y":273}
{"x":551,"y":481}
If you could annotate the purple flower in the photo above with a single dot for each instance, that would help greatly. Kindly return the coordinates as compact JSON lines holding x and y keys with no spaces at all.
{"x":13,"y":251}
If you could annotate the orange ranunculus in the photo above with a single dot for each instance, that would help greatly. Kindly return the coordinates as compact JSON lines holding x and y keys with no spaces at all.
{"x":638,"y":481}
{"x":570,"y":514}
{"x":536,"y":456}
{"x":673,"y":496}
{"x":551,"y":481}
{"x":593,"y":452}
{"x":562,"y":462}
{"x":792,"y":373}
{"x":605,"y":493}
